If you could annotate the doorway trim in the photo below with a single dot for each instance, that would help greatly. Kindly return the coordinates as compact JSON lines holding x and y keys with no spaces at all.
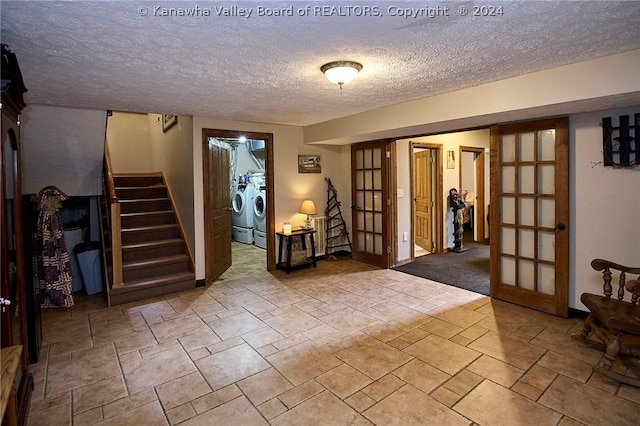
{"x":268,"y":171}
{"x":438,"y":207}
{"x":479,"y":202}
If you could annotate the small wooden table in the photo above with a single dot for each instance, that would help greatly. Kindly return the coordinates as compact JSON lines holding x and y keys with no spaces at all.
{"x":287,"y":265}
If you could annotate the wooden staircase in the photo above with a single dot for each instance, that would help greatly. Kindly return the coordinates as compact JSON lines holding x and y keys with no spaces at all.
{"x":154,"y":254}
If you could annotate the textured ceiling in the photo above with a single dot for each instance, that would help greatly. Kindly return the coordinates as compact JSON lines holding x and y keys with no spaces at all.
{"x":122,"y":55}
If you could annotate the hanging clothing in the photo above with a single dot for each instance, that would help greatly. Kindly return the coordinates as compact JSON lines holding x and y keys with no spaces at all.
{"x":54,"y":285}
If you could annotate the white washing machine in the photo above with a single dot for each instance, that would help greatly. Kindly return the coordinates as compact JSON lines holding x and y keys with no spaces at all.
{"x":260,"y":210}
{"x":260,"y":217}
{"x":242,"y":206}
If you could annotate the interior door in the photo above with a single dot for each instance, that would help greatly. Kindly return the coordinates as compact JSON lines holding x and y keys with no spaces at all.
{"x":217,"y":204}
{"x":370,"y":202}
{"x":423,"y":202}
{"x":474,"y":174}
{"x":530,"y":213}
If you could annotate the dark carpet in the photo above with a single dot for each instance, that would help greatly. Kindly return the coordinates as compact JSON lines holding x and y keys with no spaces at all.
{"x":468,"y":270}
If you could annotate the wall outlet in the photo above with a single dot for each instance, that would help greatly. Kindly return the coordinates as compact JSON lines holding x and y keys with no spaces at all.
{"x":405,"y":236}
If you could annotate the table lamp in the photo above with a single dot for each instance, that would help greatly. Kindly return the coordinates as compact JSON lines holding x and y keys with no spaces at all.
{"x":307,"y":207}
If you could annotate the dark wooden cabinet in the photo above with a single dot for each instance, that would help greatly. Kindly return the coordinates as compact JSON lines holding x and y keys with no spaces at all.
{"x":296,"y":256}
{"x":12,"y":259}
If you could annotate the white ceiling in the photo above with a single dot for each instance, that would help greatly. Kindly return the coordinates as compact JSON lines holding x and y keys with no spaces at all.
{"x":106,"y":55}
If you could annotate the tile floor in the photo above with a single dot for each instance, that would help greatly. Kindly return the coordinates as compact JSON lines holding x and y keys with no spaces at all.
{"x":419,"y":251}
{"x":342,"y":344}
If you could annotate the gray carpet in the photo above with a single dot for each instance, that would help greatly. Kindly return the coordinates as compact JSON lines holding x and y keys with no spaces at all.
{"x":468,"y":270}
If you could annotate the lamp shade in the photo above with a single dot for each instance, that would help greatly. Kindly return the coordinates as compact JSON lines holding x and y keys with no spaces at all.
{"x":307,"y":207}
{"x":341,"y":72}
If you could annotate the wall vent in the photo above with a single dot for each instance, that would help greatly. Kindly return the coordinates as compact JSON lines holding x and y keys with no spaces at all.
{"x":320,"y":225}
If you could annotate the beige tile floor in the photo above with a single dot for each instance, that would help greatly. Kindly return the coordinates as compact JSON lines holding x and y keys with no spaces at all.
{"x":342,"y":344}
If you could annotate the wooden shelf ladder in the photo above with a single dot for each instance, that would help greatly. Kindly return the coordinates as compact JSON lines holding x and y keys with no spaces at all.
{"x":337,"y":235}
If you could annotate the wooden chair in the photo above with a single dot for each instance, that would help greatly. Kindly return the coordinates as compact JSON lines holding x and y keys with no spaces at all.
{"x":615,"y":322}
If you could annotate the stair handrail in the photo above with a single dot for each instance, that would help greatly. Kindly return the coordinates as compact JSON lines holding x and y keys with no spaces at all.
{"x":114,"y":220}
{"x":111,"y":187}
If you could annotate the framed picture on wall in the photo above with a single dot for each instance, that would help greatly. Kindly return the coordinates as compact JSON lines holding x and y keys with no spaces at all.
{"x":168,"y":121}
{"x":451,"y":159}
{"x":309,"y":164}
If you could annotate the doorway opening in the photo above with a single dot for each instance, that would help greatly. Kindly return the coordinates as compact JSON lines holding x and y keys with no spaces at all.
{"x":426,"y":206}
{"x":237,"y":191}
{"x":440,"y":163}
{"x":473,"y":184}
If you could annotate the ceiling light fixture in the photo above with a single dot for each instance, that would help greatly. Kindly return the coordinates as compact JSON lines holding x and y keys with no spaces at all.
{"x":341,"y":72}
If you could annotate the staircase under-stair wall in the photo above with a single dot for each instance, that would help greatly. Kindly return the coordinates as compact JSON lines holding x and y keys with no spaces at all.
{"x":155,"y":256}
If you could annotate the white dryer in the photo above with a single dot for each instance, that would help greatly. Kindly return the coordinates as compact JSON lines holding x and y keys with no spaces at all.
{"x":260,"y":217}
{"x":260,"y":210}
{"x":242,"y":206}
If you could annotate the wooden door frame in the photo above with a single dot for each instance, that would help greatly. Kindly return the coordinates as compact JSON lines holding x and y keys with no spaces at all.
{"x":268,"y":171}
{"x":392,"y":203}
{"x":438,"y":208}
{"x":478,"y":208}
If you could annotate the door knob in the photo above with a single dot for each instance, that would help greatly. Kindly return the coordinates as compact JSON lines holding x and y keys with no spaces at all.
{"x":560,"y":227}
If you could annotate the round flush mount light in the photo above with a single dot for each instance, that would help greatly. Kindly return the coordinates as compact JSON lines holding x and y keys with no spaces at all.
{"x":341,"y":72}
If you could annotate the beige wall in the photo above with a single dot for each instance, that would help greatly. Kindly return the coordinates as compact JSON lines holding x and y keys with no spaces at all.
{"x":129,"y":143}
{"x":604,"y":206}
{"x":171,"y":152}
{"x":290,"y":187}
{"x":62,"y":147}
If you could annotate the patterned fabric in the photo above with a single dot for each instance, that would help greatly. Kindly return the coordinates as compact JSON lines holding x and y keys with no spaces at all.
{"x":54,"y":285}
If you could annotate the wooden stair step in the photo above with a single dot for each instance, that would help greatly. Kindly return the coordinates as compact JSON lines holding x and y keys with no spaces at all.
{"x":137,"y":180}
{"x":145,"y":245}
{"x":144,"y":205}
{"x":154,"y":267}
{"x":144,"y":192}
{"x":145,"y":289}
{"x":155,"y":261}
{"x":159,"y":281}
{"x":140,"y":219}
{"x":150,"y":233}
{"x":150,"y":249}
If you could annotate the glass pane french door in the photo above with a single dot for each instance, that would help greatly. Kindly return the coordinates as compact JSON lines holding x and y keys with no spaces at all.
{"x":529,"y":214}
{"x":369,"y":167}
